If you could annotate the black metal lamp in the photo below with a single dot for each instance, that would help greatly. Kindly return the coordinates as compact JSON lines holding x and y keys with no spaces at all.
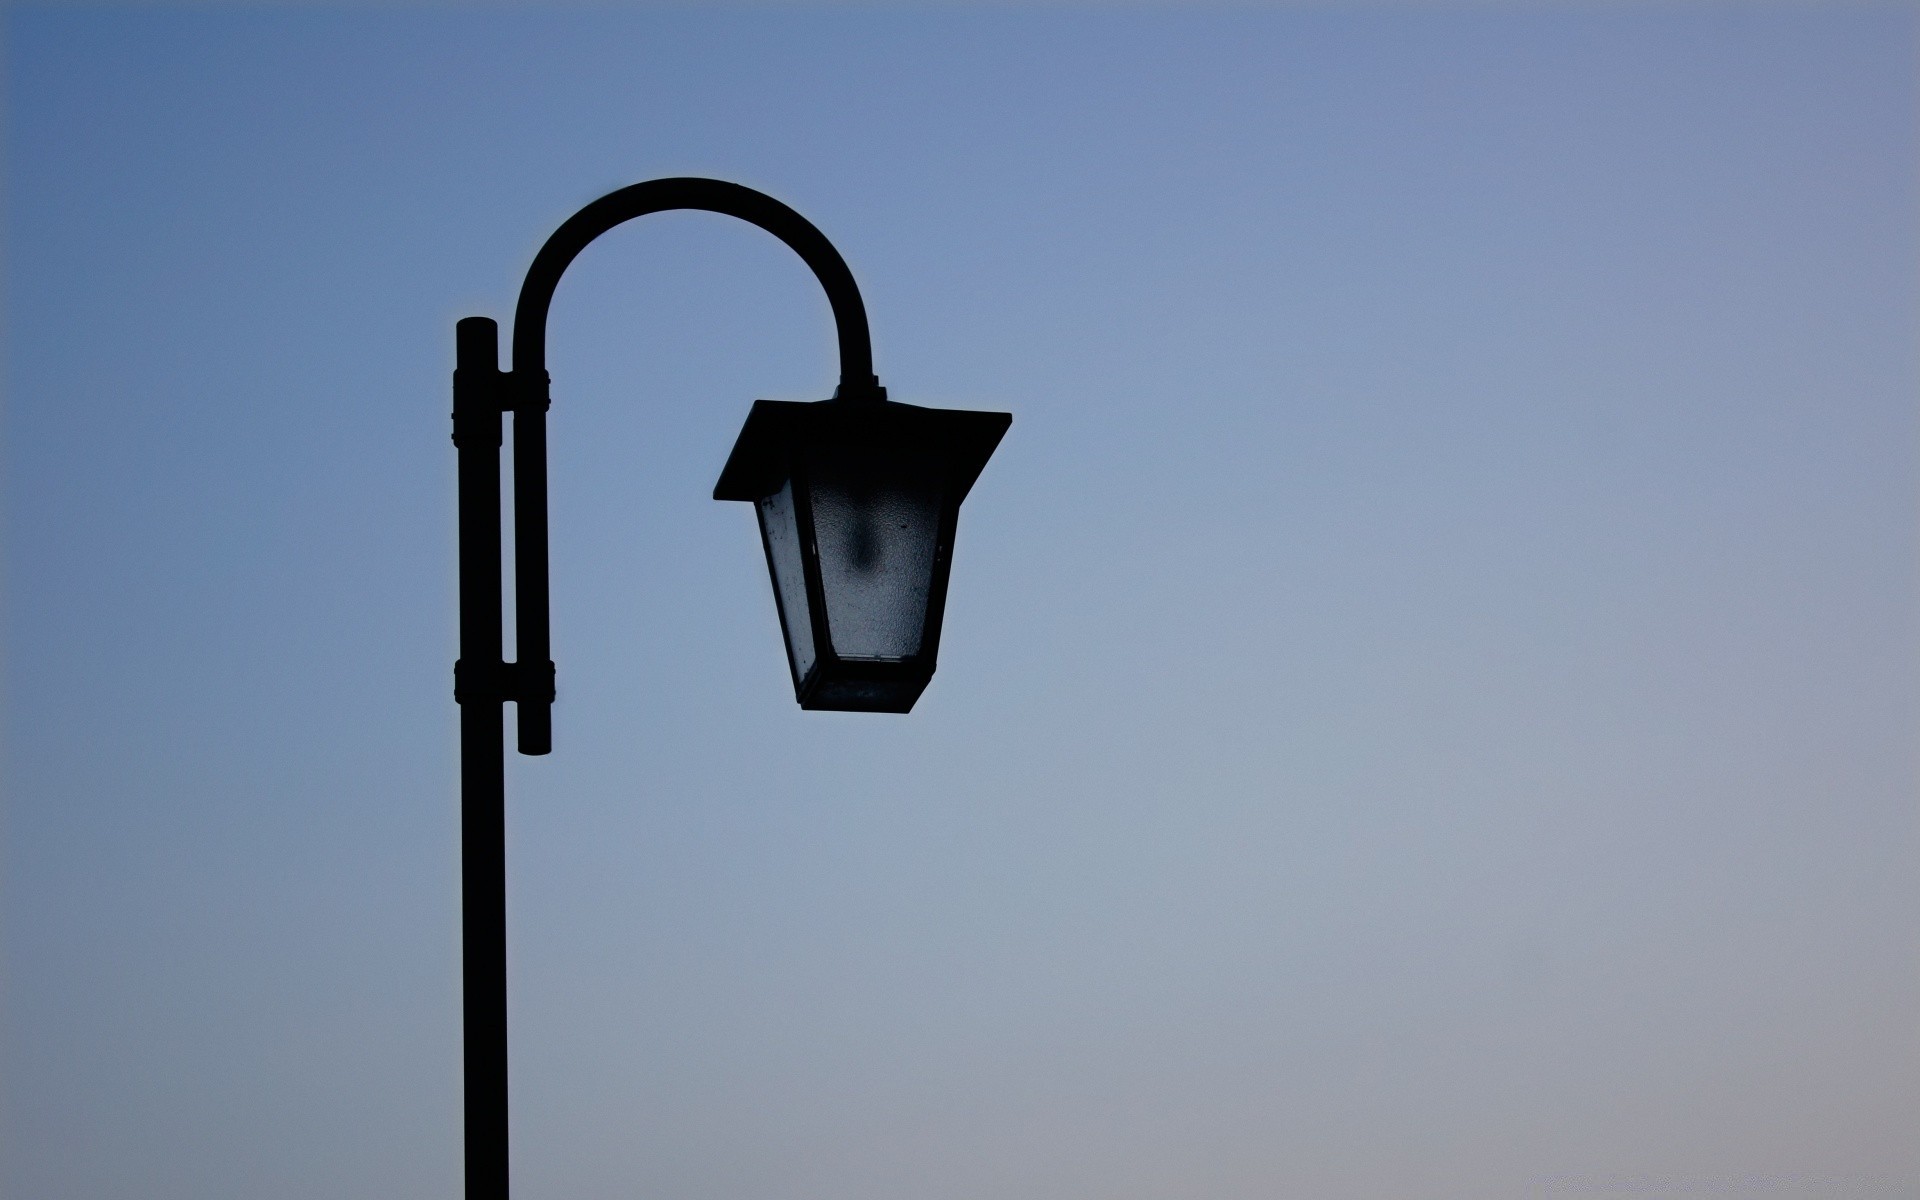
{"x":857,"y":500}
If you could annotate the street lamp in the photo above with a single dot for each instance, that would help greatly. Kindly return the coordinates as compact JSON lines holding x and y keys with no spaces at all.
{"x":857,"y":499}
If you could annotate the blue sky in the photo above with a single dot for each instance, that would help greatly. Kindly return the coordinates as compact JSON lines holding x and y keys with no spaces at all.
{"x":1428,"y":693}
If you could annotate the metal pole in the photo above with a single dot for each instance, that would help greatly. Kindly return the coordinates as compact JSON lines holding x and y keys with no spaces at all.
{"x":533,"y":674}
{"x":480,"y":688}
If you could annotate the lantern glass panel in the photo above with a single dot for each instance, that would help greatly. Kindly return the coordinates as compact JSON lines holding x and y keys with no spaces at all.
{"x":877,"y":526}
{"x":780,"y":527}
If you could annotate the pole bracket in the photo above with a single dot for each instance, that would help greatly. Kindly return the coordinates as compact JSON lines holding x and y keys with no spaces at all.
{"x":503,"y":682}
{"x":479,"y":394}
{"x":526,"y":391}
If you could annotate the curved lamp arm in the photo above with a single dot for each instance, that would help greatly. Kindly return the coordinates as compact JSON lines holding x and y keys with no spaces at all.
{"x":533,"y":674}
{"x":857,"y":380}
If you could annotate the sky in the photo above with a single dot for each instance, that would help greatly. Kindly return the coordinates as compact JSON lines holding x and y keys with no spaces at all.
{"x":1428,"y":694}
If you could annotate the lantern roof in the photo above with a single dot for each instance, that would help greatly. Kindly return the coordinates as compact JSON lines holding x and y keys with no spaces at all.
{"x":777,"y":430}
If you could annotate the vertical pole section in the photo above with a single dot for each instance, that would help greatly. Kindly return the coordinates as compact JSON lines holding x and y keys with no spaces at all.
{"x":480,"y":688}
{"x":533,"y":692}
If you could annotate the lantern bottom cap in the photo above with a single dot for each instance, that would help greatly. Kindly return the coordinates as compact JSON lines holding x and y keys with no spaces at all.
{"x":862,"y":695}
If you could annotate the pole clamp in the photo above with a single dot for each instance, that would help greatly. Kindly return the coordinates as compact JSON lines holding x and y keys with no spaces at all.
{"x":531,"y":683}
{"x":478,"y":396}
{"x":526,"y":392}
{"x":503,"y":682}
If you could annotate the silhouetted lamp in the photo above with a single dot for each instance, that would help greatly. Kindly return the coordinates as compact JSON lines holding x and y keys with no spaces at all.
{"x":857,"y":500}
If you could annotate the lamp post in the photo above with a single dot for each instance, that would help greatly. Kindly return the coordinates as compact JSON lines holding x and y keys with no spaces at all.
{"x":856,"y":496}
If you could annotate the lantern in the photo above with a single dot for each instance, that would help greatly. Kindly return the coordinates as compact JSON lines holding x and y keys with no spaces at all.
{"x":857,"y":502}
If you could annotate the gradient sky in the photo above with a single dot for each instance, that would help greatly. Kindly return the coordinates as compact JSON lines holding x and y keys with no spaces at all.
{"x":1428,"y":699}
